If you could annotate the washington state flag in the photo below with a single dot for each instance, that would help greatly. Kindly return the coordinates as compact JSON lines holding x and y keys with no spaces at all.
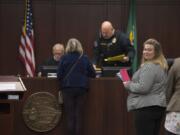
{"x":132,"y":32}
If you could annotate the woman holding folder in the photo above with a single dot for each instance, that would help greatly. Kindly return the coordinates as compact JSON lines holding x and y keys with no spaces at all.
{"x":147,"y":89}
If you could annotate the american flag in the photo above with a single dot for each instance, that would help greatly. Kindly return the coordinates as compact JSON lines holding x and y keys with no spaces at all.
{"x":26,"y":47}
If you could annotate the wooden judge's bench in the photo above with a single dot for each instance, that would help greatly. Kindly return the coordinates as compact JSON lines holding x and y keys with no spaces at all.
{"x":105,"y":112}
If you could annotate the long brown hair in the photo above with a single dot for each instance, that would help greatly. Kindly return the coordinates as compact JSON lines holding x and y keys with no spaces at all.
{"x":159,"y":56}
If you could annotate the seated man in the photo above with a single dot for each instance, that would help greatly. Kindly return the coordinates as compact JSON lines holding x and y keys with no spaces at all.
{"x":57,"y":51}
{"x":112,"y":48}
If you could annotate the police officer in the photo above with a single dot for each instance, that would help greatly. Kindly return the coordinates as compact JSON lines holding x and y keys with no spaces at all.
{"x":111,"y":43}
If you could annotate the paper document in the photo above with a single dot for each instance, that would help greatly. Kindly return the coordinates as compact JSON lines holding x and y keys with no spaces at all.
{"x":115,"y":58}
{"x":7,"y":86}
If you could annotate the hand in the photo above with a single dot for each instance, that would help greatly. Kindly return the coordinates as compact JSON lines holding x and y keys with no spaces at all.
{"x":94,"y":66}
{"x":125,"y":83}
{"x":39,"y":74}
{"x":125,"y":59}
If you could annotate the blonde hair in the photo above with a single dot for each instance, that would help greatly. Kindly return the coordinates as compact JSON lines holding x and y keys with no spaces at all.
{"x":158,"y":57}
{"x":74,"y":45}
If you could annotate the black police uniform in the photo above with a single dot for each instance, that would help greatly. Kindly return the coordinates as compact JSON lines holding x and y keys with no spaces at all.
{"x":116,"y":45}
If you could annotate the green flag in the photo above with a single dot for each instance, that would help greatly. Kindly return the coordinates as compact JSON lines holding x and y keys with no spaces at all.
{"x":131,"y":31}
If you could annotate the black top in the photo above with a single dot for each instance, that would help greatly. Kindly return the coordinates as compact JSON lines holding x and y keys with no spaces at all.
{"x":116,"y":45}
{"x":79,"y":75}
{"x":51,"y":62}
{"x":48,"y":66}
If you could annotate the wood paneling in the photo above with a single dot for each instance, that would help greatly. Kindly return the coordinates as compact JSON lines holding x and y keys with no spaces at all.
{"x":59,"y":20}
{"x":159,"y":19}
{"x":105,"y":111}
